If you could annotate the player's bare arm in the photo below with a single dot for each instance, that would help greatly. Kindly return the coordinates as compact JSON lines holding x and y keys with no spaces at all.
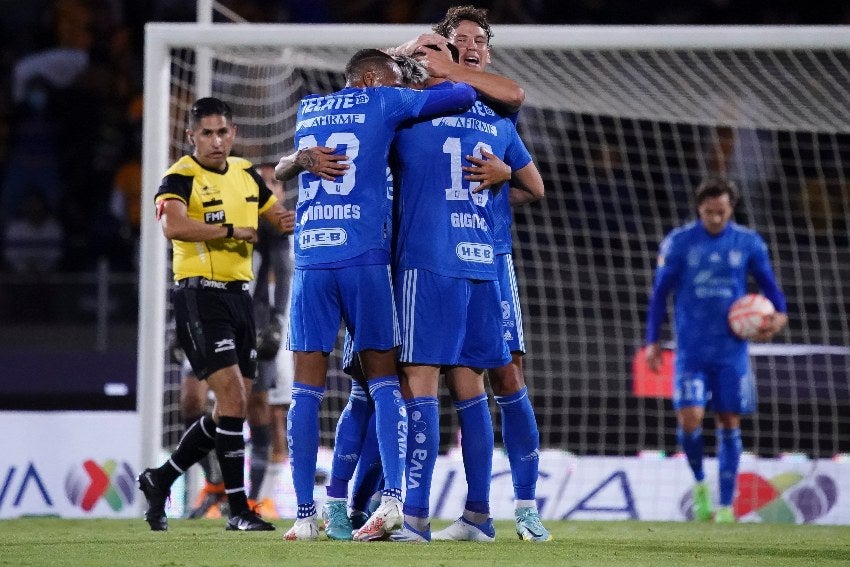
{"x":281,"y":218}
{"x":653,"y":356}
{"x":488,"y":170}
{"x":500,"y":91}
{"x":526,"y":185}
{"x":320,"y":161}
{"x":176,"y":225}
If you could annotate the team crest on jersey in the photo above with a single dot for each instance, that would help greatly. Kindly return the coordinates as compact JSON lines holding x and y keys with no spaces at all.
{"x":714,"y":258}
{"x":693,"y":258}
{"x":215,"y":217}
{"x":735,"y":257}
{"x":506,"y":310}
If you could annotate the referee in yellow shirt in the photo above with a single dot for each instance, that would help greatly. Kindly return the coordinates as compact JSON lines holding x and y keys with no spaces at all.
{"x":208,"y":205}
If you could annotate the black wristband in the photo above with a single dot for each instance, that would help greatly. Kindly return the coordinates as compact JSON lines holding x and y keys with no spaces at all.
{"x":229,"y":228}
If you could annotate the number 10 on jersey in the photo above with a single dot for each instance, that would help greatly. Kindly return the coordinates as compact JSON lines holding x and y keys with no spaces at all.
{"x":457,"y":192}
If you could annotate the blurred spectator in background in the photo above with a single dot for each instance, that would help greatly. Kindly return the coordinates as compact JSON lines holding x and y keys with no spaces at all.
{"x":33,"y":241}
{"x":61,"y":63}
{"x":125,"y":202}
{"x":33,"y":154}
{"x":32,"y":249}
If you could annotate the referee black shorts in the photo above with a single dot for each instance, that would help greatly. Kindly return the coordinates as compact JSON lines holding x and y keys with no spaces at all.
{"x":215,"y":325}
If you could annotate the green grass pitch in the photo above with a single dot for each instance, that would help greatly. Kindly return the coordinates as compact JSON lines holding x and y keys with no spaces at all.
{"x":198,"y":543}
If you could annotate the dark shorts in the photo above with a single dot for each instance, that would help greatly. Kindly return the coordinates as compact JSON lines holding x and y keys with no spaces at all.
{"x":216,"y":328}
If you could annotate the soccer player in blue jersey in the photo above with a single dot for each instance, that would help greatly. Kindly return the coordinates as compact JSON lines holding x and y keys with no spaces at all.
{"x":467,"y":28}
{"x":342,"y":269}
{"x":355,"y":443}
{"x":446,"y":279}
{"x":705,"y":263}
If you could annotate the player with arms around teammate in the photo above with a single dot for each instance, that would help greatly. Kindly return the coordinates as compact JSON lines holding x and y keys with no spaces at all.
{"x":468,"y":28}
{"x":209,"y":205}
{"x":446,"y":286}
{"x":342,"y":271}
{"x":705,"y":263}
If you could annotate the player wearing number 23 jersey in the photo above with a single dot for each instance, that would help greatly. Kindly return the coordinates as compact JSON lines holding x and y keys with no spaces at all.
{"x":342,"y":269}
{"x":347,"y":222}
{"x":343,"y":219}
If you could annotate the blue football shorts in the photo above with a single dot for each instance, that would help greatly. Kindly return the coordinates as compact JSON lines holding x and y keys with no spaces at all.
{"x":727,"y":388}
{"x":450,"y":321}
{"x":511,"y":309}
{"x":359,"y":296}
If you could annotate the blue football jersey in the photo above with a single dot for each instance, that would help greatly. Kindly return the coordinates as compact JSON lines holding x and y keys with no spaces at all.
{"x":502,"y":212}
{"x":708,"y":273}
{"x":442,"y":226}
{"x":502,"y":221}
{"x":343,"y":219}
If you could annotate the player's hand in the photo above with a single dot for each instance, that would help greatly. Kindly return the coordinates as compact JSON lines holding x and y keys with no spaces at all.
{"x":322,"y":161}
{"x":773,"y":323}
{"x":246,"y":233}
{"x":653,"y":357}
{"x":286,"y":222}
{"x":488,"y":170}
{"x":412,"y":46}
{"x":438,"y":63}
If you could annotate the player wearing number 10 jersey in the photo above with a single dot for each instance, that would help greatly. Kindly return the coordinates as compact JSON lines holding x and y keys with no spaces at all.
{"x":342,"y":252}
{"x":447,"y":289}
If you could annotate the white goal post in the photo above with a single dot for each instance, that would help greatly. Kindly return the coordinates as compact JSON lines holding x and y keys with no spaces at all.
{"x":642,"y":103}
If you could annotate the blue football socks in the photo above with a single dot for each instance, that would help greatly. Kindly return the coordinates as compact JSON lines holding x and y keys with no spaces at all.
{"x":692,"y":445}
{"x":729,"y":449}
{"x":303,"y":438}
{"x":522,"y":442}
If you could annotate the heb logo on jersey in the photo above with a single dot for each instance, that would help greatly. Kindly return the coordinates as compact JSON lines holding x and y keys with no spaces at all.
{"x":475,"y":252}
{"x":322,"y":237}
{"x":214,"y":217}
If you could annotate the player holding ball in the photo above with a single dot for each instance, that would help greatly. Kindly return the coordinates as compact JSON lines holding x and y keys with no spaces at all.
{"x":706,"y":264}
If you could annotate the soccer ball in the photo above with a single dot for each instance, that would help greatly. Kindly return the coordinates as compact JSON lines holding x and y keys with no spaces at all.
{"x":747,"y":315}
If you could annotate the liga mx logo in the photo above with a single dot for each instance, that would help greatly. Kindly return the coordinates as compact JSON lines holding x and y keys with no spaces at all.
{"x":112,"y":482}
{"x":786,"y":498}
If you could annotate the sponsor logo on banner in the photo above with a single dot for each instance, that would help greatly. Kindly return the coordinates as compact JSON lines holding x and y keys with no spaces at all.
{"x":89,"y":483}
{"x":784,"y":498}
{"x":17,"y":483}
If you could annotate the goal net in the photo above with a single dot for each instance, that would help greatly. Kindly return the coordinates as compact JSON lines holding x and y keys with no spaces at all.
{"x":623,"y":124}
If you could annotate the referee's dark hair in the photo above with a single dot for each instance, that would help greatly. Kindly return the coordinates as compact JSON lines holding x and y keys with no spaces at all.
{"x":208,"y":106}
{"x":715,"y":186}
